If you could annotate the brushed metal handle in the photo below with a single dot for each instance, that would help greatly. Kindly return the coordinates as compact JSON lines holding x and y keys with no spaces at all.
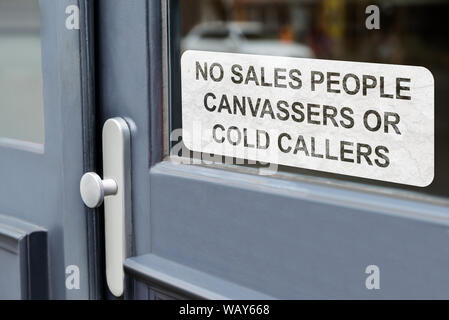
{"x":115,"y":191}
{"x":93,"y":189}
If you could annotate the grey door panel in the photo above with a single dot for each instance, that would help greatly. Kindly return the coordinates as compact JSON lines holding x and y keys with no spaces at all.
{"x":41,"y":185}
{"x":297,"y":240}
{"x":199,"y":229}
{"x":23,"y":260}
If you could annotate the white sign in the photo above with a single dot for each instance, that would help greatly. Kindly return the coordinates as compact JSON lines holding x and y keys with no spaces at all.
{"x":366,"y":120}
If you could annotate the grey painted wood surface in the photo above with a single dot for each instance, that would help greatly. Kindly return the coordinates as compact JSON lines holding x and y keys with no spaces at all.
{"x":298,"y":240}
{"x":23,"y":260}
{"x":284,"y":239}
{"x":42,"y":187}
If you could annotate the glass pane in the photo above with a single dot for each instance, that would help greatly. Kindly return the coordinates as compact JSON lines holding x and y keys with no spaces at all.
{"x":21,"y":101}
{"x":410,"y":33}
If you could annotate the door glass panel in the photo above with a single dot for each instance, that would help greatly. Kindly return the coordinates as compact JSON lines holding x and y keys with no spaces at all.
{"x":21,"y":101}
{"x":409,"y":33}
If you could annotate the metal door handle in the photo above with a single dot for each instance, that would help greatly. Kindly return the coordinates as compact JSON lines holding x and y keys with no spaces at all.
{"x":115,"y":191}
{"x":93,"y":189}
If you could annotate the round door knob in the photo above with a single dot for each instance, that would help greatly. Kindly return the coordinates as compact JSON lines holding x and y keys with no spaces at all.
{"x":93,"y":189}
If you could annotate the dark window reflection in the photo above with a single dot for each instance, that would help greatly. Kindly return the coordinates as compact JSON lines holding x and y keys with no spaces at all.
{"x":411,"y":33}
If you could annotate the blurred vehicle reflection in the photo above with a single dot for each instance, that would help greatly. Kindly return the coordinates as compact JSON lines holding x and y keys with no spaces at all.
{"x":241,"y":37}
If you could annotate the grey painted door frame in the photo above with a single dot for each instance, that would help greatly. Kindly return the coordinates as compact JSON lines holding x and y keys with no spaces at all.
{"x":39,"y":189}
{"x":225,"y":232}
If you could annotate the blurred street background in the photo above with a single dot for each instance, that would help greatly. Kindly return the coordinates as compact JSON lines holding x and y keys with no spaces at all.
{"x":21,"y":102}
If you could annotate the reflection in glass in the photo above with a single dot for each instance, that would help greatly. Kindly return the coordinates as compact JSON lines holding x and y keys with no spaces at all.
{"x":241,"y":37}
{"x":411,"y":33}
{"x":21,"y":102}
